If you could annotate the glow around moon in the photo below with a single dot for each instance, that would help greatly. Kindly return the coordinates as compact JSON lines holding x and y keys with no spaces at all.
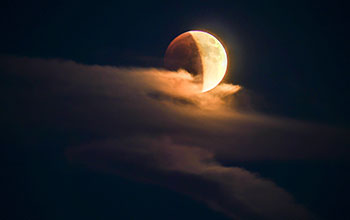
{"x":214,"y":59}
{"x":200,"y":53}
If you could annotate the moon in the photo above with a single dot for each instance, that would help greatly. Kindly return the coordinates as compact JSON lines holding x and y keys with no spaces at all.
{"x":200,"y":53}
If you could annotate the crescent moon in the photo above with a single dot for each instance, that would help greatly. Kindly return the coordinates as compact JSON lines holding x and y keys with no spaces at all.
{"x":198,"y":52}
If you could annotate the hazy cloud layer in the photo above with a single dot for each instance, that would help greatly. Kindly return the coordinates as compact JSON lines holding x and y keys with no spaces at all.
{"x":194,"y":171}
{"x":153,"y":125}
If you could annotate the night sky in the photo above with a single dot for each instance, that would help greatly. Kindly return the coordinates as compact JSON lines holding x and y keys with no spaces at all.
{"x":290,"y":57}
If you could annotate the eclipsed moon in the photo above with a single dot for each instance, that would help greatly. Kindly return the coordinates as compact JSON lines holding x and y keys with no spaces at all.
{"x":200,"y":53}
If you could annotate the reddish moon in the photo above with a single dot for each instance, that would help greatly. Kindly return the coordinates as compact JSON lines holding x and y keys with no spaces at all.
{"x":199,"y":53}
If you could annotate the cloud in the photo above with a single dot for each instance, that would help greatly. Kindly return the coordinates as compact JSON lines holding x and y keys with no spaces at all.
{"x":153,"y":125}
{"x":193,"y":171}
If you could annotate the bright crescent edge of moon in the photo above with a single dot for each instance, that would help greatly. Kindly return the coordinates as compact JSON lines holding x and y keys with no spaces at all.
{"x":214,"y":59}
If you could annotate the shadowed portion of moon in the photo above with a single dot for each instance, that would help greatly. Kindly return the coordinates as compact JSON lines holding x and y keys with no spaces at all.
{"x":183,"y":53}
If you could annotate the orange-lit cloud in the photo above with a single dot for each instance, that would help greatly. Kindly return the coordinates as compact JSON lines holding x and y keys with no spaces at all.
{"x":159,"y":126}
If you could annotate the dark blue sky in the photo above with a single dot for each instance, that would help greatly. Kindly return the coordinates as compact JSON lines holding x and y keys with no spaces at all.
{"x":292,"y":56}
{"x":292,"y":53}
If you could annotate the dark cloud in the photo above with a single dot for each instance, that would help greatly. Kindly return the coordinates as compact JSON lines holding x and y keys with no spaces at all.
{"x":153,"y":125}
{"x":194,"y":171}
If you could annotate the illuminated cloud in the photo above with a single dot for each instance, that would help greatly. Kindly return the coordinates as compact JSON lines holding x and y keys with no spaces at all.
{"x":154,"y":125}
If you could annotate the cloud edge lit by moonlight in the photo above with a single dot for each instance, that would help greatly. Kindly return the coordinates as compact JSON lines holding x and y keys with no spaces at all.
{"x":154,"y":122}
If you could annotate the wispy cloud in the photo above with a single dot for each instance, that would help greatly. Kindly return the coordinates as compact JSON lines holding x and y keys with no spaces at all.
{"x":154,"y":125}
{"x":194,"y":171}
